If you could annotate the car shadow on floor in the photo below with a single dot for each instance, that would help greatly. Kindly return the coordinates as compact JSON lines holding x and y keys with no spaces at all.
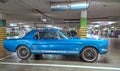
{"x":73,"y":58}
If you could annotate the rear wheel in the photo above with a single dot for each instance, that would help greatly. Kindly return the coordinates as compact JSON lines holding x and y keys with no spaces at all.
{"x":89,"y":54}
{"x":23,"y":52}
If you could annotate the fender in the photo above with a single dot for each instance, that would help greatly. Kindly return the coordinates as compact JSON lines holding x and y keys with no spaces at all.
{"x":26,"y":43}
{"x":88,"y":46}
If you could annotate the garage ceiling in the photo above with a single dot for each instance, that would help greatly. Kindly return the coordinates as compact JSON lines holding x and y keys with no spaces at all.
{"x":25,"y":11}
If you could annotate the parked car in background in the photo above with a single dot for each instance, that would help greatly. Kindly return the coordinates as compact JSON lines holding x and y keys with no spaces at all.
{"x":69,"y":33}
{"x":53,"y":41}
{"x":116,"y":33}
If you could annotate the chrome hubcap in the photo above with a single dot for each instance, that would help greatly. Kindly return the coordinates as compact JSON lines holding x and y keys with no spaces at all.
{"x":90,"y":54}
{"x":23,"y":52}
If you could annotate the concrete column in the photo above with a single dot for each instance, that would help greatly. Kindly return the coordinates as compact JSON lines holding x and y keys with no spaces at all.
{"x":34,"y":26}
{"x":81,"y":32}
{"x":22,"y":33}
{"x":2,"y":34}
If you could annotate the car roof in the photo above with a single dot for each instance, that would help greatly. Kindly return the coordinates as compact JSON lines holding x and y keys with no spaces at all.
{"x":49,"y":30}
{"x":32,"y":33}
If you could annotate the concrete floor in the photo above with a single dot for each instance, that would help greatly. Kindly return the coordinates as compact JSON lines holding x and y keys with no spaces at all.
{"x":108,"y":62}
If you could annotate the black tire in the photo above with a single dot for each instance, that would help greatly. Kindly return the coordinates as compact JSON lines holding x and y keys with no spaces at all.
{"x":89,"y":54}
{"x":23,"y":52}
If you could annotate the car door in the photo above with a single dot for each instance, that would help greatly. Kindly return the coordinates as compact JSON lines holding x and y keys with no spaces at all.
{"x":49,"y":42}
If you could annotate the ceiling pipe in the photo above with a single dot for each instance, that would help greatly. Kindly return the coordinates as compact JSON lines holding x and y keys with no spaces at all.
{"x":69,"y":5}
{"x":36,"y":10}
{"x":3,"y":1}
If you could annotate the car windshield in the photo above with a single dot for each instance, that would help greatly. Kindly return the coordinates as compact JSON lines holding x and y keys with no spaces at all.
{"x":63,"y":34}
{"x":69,"y":33}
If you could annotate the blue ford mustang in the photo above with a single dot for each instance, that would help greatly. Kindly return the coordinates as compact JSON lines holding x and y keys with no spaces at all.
{"x":54,"y":41}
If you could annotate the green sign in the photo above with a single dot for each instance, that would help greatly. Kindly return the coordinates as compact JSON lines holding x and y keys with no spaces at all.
{"x":2,"y":23}
{"x":83,"y":22}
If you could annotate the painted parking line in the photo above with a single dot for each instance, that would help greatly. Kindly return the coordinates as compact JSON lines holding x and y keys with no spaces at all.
{"x":59,"y":65}
{"x":5,"y":57}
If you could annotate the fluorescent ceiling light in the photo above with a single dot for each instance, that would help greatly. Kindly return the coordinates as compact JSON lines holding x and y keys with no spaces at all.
{"x":20,"y":23}
{"x":13,"y":24}
{"x":44,"y":20}
{"x":112,"y":27}
{"x":26,"y":26}
{"x":97,"y":25}
{"x":49,"y":26}
{"x":111,"y":22}
{"x":104,"y":22}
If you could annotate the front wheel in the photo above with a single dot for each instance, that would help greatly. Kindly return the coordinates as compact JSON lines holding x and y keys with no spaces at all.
{"x":89,"y":54}
{"x":23,"y":52}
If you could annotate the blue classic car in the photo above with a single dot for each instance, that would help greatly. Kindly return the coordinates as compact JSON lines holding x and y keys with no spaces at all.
{"x":54,"y":41}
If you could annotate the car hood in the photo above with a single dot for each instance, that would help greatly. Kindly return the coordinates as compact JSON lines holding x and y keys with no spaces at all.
{"x":100,"y":40}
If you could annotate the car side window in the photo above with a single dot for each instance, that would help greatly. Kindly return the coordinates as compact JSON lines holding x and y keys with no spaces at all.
{"x":41,"y":35}
{"x":47,"y":35}
{"x":51,"y":35}
{"x":36,"y":36}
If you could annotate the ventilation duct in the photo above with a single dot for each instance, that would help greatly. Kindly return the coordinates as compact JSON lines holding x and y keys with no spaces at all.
{"x":69,"y":5}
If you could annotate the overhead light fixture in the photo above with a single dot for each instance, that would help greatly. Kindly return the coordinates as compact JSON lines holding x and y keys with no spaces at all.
{"x":44,"y":20}
{"x":13,"y":24}
{"x":112,"y":27}
{"x":104,"y":22}
{"x":111,"y":22}
{"x":51,"y":26}
{"x":26,"y":26}
{"x":20,"y":23}
{"x":97,"y":26}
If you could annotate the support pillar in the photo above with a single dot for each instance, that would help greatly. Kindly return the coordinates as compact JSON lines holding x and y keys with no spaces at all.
{"x":2,"y":34}
{"x":82,"y":30}
{"x":34,"y":26}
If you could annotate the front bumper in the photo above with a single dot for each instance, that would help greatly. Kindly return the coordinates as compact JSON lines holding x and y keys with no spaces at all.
{"x":103,"y":51}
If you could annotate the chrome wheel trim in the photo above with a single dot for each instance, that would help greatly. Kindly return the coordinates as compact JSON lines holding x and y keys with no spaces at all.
{"x":89,"y":54}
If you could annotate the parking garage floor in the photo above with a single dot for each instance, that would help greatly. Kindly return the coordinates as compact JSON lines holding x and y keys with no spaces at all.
{"x":108,"y":62}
